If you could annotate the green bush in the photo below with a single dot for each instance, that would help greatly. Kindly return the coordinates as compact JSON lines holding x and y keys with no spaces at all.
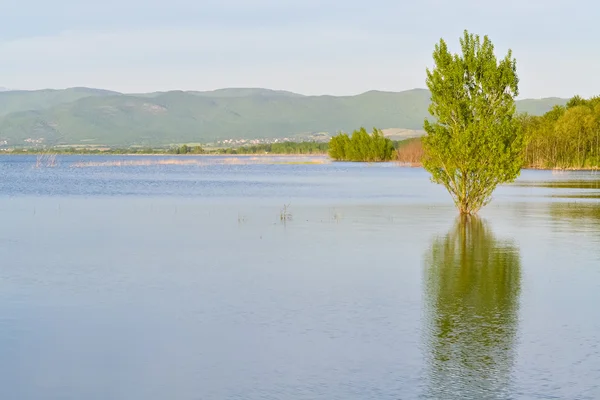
{"x":361,"y":146}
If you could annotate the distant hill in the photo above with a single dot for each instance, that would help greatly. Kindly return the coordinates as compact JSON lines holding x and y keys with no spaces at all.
{"x":100,"y":117}
{"x":539,"y":106}
{"x":247,"y":92}
{"x":24,"y":100}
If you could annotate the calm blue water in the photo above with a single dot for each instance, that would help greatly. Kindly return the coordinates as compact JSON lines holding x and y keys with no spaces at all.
{"x":123,"y":278}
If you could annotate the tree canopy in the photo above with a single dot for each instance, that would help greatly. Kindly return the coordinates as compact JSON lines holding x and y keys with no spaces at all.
{"x":278,"y":148}
{"x":361,"y":146}
{"x":565,"y":137}
{"x":476,"y":142}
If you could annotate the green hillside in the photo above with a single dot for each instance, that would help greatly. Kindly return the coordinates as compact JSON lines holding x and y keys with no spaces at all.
{"x":539,"y":106}
{"x":23,"y":100}
{"x":91,"y":116}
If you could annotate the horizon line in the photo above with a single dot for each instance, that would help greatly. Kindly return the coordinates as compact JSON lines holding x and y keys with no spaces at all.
{"x":9,"y":90}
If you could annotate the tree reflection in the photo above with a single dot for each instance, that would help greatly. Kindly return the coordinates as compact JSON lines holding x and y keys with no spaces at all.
{"x":576,"y":212}
{"x":472,"y":285}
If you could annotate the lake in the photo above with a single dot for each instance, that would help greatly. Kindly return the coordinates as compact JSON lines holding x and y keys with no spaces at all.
{"x":185,"y":278}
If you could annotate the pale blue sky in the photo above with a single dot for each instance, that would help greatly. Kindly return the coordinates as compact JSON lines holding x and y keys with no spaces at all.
{"x":308,"y":46}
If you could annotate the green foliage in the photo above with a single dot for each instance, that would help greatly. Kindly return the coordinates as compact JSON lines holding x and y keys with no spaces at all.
{"x":185,"y":149}
{"x":476,"y":142}
{"x":96,"y":117}
{"x":15,"y":101}
{"x":340,"y":147}
{"x":361,"y":146}
{"x":565,"y":137}
{"x":279,"y":148}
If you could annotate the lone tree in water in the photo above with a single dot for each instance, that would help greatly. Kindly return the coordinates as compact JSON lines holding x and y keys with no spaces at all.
{"x":476,"y":143}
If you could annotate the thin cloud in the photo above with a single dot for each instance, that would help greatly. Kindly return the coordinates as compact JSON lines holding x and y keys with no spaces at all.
{"x":306,"y":46}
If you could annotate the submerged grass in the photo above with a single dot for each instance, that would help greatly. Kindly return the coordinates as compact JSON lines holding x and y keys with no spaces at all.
{"x":285,"y":214}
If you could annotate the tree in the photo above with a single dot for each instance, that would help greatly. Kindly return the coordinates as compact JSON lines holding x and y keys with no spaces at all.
{"x":361,"y":146}
{"x":339,"y":146}
{"x":476,"y":142}
{"x":577,"y":125}
{"x":564,"y":137}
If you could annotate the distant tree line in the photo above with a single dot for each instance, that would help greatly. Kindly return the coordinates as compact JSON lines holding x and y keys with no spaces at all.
{"x":273,"y":148}
{"x":185,"y":149}
{"x":361,"y":146}
{"x":267,"y":148}
{"x":566,"y":137}
{"x":279,"y":148}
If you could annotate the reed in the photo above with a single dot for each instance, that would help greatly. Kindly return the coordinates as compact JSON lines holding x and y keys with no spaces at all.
{"x":285,"y":214}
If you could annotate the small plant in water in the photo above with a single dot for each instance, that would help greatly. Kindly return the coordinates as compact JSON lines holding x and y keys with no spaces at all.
{"x":285,"y":214}
{"x":335,"y":215}
{"x":45,"y":160}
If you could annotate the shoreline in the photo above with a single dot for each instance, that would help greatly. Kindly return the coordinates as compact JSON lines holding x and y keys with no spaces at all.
{"x":266,"y":155}
{"x":165,"y":154}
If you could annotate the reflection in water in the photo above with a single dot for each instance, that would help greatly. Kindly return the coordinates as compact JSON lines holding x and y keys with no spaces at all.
{"x":589,"y":183}
{"x":472,"y":285}
{"x":576,"y":212}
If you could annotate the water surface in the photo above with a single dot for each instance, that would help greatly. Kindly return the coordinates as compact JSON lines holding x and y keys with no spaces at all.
{"x":145,"y":280}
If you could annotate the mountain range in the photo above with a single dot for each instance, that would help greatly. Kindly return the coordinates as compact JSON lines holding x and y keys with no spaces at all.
{"x":84,"y":116}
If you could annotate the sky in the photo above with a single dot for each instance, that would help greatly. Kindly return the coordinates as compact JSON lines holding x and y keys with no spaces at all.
{"x":311,"y":47}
